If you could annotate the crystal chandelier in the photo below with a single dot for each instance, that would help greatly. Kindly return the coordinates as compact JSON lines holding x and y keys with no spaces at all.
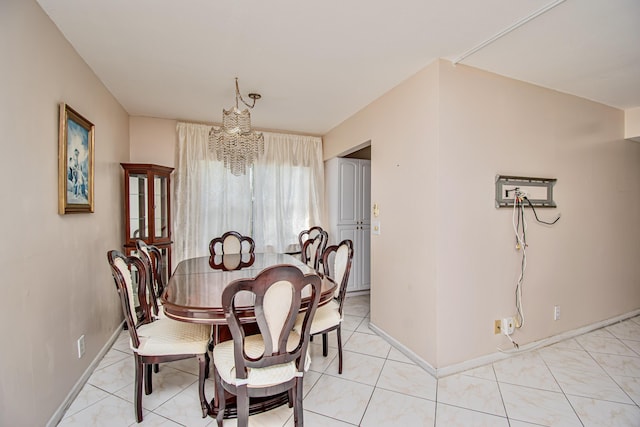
{"x":234,"y":142}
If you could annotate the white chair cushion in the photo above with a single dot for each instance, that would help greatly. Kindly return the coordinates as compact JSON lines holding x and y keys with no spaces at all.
{"x":276,"y":305}
{"x":223,"y":358}
{"x":231,"y":245}
{"x":124,"y":270}
{"x":167,"y":336}
{"x":325,"y":317}
{"x":340,"y":267}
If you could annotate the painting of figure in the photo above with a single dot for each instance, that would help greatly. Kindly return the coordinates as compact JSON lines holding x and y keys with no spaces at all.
{"x":76,"y":162}
{"x":78,"y":165}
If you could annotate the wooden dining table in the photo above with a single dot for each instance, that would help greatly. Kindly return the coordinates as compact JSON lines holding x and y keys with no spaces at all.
{"x":194,"y":294}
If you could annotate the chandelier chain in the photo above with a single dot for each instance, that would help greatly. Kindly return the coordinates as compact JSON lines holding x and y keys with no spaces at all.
{"x":239,"y":95}
{"x":234,"y":143}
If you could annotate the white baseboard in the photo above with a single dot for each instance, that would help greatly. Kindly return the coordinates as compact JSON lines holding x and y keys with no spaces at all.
{"x":404,"y":350}
{"x":494,"y":357}
{"x":77,"y":388}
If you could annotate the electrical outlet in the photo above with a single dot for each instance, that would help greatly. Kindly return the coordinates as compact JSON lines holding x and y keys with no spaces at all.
{"x":556,"y":312}
{"x":497,"y":324}
{"x":508,"y":325}
{"x":80,"y":346}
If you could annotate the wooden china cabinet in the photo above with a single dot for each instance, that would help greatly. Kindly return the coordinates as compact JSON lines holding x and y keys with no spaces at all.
{"x":147,"y":208}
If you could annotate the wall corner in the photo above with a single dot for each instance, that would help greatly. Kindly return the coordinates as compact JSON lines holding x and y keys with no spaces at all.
{"x":632,"y":124}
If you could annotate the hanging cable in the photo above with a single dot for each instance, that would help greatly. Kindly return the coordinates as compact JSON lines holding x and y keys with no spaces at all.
{"x":520,"y":228}
{"x":536,"y":215}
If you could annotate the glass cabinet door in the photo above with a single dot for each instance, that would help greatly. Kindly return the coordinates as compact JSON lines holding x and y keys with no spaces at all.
{"x":161,"y":206}
{"x":147,"y":199}
{"x":138,"y":207}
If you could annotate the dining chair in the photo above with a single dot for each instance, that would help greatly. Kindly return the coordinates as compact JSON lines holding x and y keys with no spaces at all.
{"x":312,"y":250}
{"x":152,"y":257}
{"x":306,"y":234}
{"x":156,"y":340}
{"x":274,"y":360}
{"x":337,"y":266}
{"x":231,"y":242}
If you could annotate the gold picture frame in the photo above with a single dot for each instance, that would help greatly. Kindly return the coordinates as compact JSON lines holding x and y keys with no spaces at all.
{"x":75,"y":162}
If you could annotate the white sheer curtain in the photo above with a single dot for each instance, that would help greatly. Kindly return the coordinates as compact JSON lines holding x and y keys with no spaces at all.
{"x":282,"y":195}
{"x":289,"y":190}
{"x":207,"y":200}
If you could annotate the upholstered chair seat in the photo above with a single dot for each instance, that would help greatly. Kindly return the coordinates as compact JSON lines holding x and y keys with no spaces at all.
{"x":326,"y":317}
{"x":257,"y":377}
{"x":167,"y":336}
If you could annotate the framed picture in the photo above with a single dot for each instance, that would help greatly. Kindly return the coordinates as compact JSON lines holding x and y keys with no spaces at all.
{"x":75,"y":162}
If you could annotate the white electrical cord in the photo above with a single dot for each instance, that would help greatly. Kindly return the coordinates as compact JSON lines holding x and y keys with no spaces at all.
{"x":520,"y":228}
{"x":515,"y":344}
{"x":518,"y":215}
{"x":518,"y":199}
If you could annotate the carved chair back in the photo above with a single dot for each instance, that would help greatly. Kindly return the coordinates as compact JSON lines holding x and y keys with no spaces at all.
{"x":231,"y":242}
{"x":152,"y":257}
{"x":313,"y":248}
{"x":337,"y":261}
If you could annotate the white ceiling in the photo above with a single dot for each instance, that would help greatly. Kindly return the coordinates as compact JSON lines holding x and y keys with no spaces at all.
{"x":316,"y":64}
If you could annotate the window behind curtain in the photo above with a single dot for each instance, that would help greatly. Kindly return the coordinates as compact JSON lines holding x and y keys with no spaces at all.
{"x":283,"y":206}
{"x":281,"y":196}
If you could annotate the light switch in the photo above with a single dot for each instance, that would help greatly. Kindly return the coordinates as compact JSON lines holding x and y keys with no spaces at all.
{"x":375,"y":227}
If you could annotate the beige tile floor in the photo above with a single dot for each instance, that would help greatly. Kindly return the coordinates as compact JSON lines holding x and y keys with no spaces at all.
{"x":592,"y":380}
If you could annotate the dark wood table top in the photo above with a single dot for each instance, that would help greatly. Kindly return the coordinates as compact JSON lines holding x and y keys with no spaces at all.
{"x":194,"y":292}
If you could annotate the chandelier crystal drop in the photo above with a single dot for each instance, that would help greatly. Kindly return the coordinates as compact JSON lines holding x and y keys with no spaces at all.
{"x":234,"y":142}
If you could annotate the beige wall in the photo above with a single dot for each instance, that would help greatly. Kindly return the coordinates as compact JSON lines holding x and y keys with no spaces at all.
{"x":402,"y":128}
{"x":56,"y":283}
{"x":153,"y":140}
{"x":438,"y":140}
{"x":586,"y":263}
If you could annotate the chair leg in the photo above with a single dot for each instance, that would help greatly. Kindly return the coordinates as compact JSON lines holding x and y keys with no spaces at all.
{"x":339,"y":349}
{"x":204,"y":363}
{"x":298,"y":419}
{"x":156,"y":368}
{"x":206,"y":368}
{"x":242,"y":406}
{"x":211,"y":343}
{"x":137,"y":398}
{"x":220,"y":402}
{"x":292,"y":397}
{"x":215,"y":331}
{"x":325,"y":345}
{"x":148,"y":385}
